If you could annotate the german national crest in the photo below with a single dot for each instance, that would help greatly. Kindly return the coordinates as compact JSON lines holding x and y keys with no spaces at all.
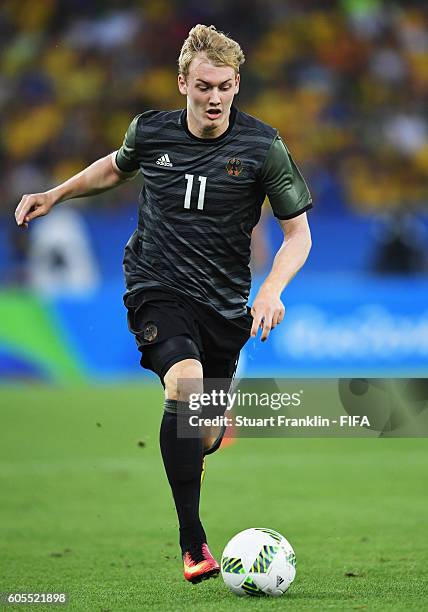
{"x":234,"y":166}
{"x":150,"y":331}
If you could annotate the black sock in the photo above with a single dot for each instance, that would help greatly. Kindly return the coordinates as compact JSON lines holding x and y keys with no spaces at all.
{"x":182,"y":458}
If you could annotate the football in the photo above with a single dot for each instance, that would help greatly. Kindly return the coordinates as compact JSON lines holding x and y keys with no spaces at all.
{"x":258,"y":561}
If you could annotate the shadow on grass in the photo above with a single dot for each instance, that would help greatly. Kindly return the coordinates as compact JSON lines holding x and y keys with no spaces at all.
{"x":291,"y":597}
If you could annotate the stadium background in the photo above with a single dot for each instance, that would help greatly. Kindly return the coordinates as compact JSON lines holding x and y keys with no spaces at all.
{"x":347,"y":88}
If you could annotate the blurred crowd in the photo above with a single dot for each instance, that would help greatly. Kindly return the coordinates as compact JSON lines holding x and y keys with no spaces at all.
{"x":345,"y":82}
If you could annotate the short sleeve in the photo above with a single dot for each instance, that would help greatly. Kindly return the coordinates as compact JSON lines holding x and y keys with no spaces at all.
{"x":285,"y":187}
{"x":126,"y":157}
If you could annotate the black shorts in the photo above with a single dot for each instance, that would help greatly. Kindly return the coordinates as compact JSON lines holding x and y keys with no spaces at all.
{"x":157,"y":315}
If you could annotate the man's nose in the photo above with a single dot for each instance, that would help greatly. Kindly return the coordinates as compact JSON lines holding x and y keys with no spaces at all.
{"x":215,"y":96}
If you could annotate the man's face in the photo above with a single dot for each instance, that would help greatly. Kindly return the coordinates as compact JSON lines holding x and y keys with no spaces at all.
{"x":210,"y":91}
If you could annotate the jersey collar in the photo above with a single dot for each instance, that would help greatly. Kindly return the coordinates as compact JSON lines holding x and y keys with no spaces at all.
{"x":183,"y":121}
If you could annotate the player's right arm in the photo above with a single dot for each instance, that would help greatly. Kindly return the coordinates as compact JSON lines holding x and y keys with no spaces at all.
{"x":106,"y":173}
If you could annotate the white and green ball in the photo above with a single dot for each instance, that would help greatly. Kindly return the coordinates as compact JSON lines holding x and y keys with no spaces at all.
{"x":258,"y":561}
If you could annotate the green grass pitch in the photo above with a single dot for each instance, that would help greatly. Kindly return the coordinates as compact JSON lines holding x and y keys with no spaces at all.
{"x":85,"y":508}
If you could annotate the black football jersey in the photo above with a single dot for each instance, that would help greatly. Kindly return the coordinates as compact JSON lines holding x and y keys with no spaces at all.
{"x":200,"y":202}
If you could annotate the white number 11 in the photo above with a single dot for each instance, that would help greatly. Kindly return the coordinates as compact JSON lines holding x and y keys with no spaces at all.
{"x":201,"y":197}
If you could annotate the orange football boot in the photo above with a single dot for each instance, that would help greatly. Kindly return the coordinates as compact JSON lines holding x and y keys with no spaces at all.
{"x":199,"y":564}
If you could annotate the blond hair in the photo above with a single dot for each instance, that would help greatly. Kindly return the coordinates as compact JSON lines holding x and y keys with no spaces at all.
{"x":219,"y":49}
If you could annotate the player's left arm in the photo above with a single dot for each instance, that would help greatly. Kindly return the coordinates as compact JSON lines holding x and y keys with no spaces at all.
{"x":268,"y":310}
{"x":290,"y":199}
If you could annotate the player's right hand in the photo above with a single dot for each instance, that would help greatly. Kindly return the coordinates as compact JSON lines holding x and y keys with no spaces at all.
{"x":32,"y":206}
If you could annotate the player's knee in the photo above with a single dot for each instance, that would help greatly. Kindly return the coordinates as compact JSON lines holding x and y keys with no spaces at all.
{"x":182,"y":379}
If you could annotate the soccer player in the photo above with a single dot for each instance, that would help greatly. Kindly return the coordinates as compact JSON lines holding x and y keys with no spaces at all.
{"x":207,"y":169}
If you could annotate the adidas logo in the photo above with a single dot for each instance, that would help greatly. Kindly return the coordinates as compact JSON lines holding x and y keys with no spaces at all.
{"x":164,"y":160}
{"x":279,"y":580}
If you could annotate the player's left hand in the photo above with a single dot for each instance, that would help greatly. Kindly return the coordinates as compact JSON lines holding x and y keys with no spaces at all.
{"x":268,"y":311}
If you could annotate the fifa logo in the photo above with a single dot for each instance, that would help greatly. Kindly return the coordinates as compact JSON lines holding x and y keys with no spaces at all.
{"x":234,"y":166}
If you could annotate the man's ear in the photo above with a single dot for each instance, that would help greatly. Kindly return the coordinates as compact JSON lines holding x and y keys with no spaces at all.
{"x":182,"y":84}
{"x":237,"y":81}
